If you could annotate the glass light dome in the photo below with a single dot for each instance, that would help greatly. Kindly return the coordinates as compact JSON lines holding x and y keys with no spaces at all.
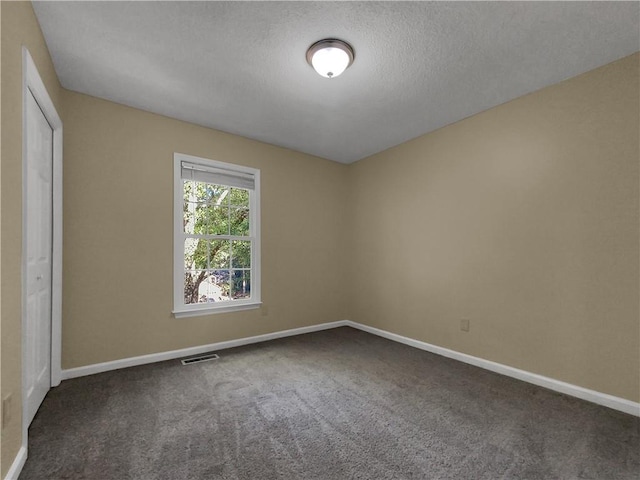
{"x":330,"y":57}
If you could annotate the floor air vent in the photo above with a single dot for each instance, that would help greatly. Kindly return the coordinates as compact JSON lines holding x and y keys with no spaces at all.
{"x":205,"y":357}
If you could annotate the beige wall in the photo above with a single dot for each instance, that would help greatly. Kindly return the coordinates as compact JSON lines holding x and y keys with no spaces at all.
{"x":118,"y":239}
{"x":523,"y":219}
{"x":19,"y":27}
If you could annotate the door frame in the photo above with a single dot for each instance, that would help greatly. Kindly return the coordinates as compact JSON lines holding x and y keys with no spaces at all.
{"x":32,"y":82}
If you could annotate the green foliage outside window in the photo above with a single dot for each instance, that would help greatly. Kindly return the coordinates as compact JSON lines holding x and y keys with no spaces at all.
{"x":209,"y":212}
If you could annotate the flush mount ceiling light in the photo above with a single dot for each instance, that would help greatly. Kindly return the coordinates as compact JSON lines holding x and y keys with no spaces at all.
{"x":330,"y":57}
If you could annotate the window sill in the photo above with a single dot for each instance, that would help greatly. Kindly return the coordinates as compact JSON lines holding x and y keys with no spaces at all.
{"x":209,"y":310}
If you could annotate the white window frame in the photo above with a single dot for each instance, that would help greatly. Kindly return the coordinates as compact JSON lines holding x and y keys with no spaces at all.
{"x":180,"y":309}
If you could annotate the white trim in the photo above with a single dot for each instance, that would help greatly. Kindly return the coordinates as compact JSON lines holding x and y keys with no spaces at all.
{"x":223,"y":308}
{"x":56,"y":274}
{"x":32,"y":82}
{"x":185,"y":352}
{"x":214,"y":164}
{"x":617,"y":403}
{"x":18,"y":463}
{"x":179,"y":308}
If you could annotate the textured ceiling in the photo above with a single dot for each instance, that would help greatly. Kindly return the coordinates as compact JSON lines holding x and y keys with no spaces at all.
{"x":240,"y":67}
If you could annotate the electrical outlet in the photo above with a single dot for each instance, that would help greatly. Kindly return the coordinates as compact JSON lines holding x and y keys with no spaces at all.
{"x":265,"y":310}
{"x":464,"y":325}
{"x":7,"y":407}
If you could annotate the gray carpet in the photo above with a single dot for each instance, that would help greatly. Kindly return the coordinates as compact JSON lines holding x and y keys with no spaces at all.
{"x":329,"y":405}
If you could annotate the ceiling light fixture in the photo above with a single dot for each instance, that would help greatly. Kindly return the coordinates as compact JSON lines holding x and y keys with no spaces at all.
{"x":330,"y":57}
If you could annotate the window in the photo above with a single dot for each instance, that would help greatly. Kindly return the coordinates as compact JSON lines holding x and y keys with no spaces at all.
{"x":216,"y":236}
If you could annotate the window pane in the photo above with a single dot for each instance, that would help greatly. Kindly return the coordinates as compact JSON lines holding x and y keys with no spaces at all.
{"x":194,"y":218}
{"x":200,"y":192}
{"x":211,"y":290}
{"x":219,"y":286}
{"x":217,"y":194}
{"x":195,"y":254}
{"x":240,"y":221}
{"x":192,"y":282}
{"x":196,"y":192}
{"x":241,"y":254}
{"x":239,"y":197}
{"x":201,"y":220}
{"x":188,"y":191}
{"x":241,"y":284}
{"x":219,"y":254}
{"x":218,"y":220}
{"x":188,"y":217}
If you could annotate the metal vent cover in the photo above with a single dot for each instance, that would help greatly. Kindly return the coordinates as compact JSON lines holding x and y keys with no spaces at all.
{"x":205,"y":357}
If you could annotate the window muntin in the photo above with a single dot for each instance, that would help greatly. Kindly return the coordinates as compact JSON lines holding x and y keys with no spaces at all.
{"x":217,"y":246}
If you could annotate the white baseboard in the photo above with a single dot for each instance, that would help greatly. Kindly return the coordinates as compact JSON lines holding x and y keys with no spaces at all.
{"x":185,"y":352}
{"x":617,"y":403}
{"x":18,"y":463}
{"x":600,"y":398}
